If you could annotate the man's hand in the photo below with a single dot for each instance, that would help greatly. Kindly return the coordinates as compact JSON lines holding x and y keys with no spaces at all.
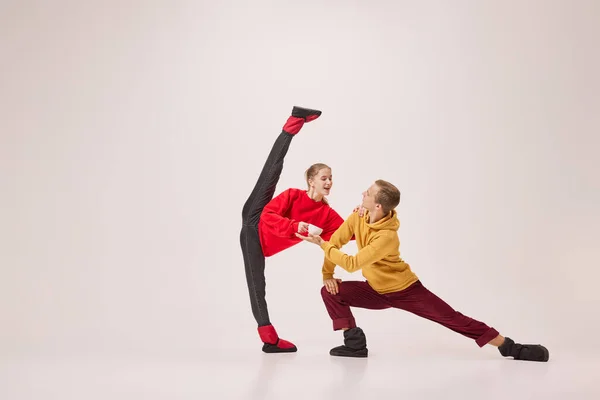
{"x":311,"y":238}
{"x":302,"y":227}
{"x":332,"y":285}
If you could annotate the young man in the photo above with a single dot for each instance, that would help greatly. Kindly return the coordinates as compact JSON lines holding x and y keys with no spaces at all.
{"x":390,"y":281}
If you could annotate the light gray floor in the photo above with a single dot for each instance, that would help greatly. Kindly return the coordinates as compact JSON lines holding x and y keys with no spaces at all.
{"x":418,"y":372}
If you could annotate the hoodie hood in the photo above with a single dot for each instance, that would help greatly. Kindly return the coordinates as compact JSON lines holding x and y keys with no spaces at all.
{"x":389,"y":222}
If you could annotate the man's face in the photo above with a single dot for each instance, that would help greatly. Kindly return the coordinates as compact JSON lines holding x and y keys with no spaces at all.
{"x":369,"y":198}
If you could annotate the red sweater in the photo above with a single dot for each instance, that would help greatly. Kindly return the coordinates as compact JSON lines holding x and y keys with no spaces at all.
{"x":279,"y":220}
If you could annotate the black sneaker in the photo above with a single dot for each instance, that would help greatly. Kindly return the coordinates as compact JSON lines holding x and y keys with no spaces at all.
{"x":345,"y":351}
{"x":306,"y":113}
{"x":525,"y":352}
{"x":355,"y":344}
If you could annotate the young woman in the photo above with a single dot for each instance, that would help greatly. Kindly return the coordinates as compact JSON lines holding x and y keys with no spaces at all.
{"x":269,"y":224}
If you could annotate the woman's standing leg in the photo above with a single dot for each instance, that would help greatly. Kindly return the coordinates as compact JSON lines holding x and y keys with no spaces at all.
{"x":254,"y":260}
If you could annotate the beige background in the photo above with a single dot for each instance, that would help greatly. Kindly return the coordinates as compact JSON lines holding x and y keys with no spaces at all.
{"x":131,"y":133}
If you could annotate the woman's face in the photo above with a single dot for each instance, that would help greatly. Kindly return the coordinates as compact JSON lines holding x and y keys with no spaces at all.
{"x":321,"y":183}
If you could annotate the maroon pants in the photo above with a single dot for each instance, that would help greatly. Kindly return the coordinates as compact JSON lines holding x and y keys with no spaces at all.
{"x":415,"y":299}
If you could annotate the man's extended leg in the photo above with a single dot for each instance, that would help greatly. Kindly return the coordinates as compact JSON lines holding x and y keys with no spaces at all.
{"x":420,"y":301}
{"x":254,"y":260}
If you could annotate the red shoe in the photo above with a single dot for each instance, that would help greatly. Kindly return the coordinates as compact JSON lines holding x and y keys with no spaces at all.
{"x":272,"y":342}
{"x":299,"y":116}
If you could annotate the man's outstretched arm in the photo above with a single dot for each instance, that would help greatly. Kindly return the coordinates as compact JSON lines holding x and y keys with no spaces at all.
{"x":373,"y":252}
{"x":340,"y":237}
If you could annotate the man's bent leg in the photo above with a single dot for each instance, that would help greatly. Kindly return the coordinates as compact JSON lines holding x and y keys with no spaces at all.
{"x":355,"y":294}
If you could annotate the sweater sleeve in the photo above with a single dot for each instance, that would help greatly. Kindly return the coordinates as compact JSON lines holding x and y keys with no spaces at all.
{"x":334,"y":221}
{"x":273,"y":215}
{"x":340,"y":237}
{"x":375,"y":251}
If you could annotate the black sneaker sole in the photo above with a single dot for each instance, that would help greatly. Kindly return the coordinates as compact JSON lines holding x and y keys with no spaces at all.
{"x":357,"y":354}
{"x":301,"y":112}
{"x":272,"y":348}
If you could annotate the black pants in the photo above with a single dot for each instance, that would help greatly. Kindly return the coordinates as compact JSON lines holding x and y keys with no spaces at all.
{"x":254,"y":259}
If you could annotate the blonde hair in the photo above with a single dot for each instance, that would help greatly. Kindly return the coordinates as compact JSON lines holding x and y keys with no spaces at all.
{"x":388,"y":195}
{"x":312,"y":171}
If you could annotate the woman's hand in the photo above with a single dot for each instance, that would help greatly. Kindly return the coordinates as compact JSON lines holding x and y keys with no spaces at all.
{"x":302,"y":227}
{"x":360,"y":209}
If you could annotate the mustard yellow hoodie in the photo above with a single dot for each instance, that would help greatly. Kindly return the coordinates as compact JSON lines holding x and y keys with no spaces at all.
{"x":378,"y":256}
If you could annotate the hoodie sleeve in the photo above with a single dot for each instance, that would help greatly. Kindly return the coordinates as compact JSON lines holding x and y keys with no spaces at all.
{"x":379,"y":247}
{"x":273,"y":215}
{"x":340,"y":237}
